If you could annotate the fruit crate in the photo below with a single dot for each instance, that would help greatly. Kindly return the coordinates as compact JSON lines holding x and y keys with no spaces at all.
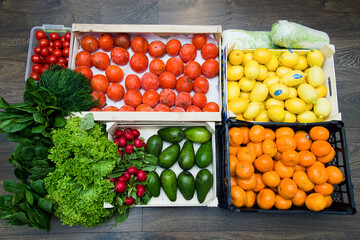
{"x":146,"y":131}
{"x":162,"y":33}
{"x":329,"y":73}
{"x":33,"y":42}
{"x":343,"y":195}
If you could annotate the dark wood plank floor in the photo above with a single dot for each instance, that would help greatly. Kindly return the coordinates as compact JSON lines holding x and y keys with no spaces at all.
{"x":340,"y":19}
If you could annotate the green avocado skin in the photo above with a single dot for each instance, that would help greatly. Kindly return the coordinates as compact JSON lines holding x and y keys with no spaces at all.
{"x":186,"y":184}
{"x":171,"y":134}
{"x":169,"y":184}
{"x":204,"y":182}
{"x":187,"y":156}
{"x":169,"y":156}
{"x":153,"y":185}
{"x":197,"y":134}
{"x":154,"y":145}
{"x":204,"y":155}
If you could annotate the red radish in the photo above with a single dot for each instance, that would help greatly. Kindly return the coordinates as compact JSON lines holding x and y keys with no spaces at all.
{"x":122,"y":179}
{"x":129,"y":201}
{"x":121,"y":153}
{"x":132,"y":170}
{"x":112,"y":179}
{"x":120,"y":186}
{"x":141,"y":175}
{"x":119,"y":133}
{"x":127,"y":175}
{"x":116,"y":141}
{"x":129,"y":148}
{"x":122,"y":142}
{"x":143,"y":144}
{"x":137,"y":143}
{"x":136,"y":133}
{"x":127,"y":130}
{"x":129,"y":136}
{"x":140,"y":190}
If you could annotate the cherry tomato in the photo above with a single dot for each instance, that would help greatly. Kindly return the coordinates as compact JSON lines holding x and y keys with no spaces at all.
{"x":35,"y":76}
{"x":51,"y":49}
{"x":51,"y":59}
{"x":40,"y":35}
{"x":66,"y":44}
{"x":46,"y":65}
{"x":62,"y":38}
{"x":67,"y":36}
{"x":36,"y":58}
{"x":57,"y":52}
{"x":43,"y":69}
{"x":44,"y":52}
{"x":57,"y":44}
{"x":36,"y":68}
{"x":65,"y":52}
{"x":44,"y":42}
{"x":62,"y":60}
{"x":54,"y":36}
{"x":61,"y":64}
{"x":37,"y":50}
{"x":51,"y":44}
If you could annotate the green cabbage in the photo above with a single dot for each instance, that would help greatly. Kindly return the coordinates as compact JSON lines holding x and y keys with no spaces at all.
{"x":292,"y":35}
{"x":78,"y":187}
{"x":247,"y":39}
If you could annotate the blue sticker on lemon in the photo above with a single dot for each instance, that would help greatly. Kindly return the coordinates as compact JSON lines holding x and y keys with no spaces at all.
{"x":278,"y":92}
{"x":297,"y":76}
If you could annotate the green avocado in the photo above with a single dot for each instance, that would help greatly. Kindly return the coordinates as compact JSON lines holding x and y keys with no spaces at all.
{"x":187,"y":156}
{"x":169,"y":156}
{"x":154,"y":145}
{"x":204,"y":155}
{"x":204,"y":182}
{"x":153,"y":185}
{"x":197,"y":134}
{"x":171,"y":134}
{"x":169,"y":184}
{"x":186,"y":184}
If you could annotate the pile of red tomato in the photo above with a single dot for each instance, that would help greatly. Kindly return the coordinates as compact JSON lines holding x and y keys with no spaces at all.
{"x":50,"y":50}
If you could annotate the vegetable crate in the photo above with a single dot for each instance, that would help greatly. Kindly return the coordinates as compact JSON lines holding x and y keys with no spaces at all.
{"x":328,"y":68}
{"x":147,"y":130}
{"x":343,"y":195}
{"x":162,"y":33}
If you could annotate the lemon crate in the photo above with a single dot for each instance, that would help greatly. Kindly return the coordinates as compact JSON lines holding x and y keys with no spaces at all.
{"x":329,"y":73}
{"x":184,"y":34}
{"x":343,"y":195}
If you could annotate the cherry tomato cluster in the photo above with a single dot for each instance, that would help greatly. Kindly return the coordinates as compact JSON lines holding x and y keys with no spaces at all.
{"x":127,"y":180}
{"x":128,"y":138}
{"x":50,"y":50}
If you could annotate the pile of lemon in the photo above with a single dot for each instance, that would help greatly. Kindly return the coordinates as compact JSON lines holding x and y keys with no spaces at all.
{"x":278,"y":86}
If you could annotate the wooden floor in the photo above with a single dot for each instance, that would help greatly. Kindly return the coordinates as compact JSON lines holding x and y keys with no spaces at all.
{"x":340,"y":19}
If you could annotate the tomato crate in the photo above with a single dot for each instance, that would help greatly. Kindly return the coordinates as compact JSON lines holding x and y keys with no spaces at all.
{"x":33,"y":42}
{"x":342,"y":196}
{"x":149,"y":129}
{"x":163,"y":33}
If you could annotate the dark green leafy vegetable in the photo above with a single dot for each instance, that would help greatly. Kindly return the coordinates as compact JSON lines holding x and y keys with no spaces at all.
{"x":70,"y":88}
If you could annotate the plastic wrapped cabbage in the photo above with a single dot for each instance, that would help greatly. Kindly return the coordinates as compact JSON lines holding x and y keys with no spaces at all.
{"x":292,"y":35}
{"x":247,"y":39}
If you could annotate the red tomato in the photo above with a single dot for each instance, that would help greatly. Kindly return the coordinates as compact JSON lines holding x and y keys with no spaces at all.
{"x":62,"y":60}
{"x":106,"y":42}
{"x":89,"y":44}
{"x":54,"y":36}
{"x":167,"y":80}
{"x":57,"y":44}
{"x":35,"y":76}
{"x":132,"y":81}
{"x":175,"y":66}
{"x":199,"y":40}
{"x":139,"y":62}
{"x":149,"y":81}
{"x":86,"y":71}
{"x":51,"y":49}
{"x":83,"y":59}
{"x":201,"y":85}
{"x":115,"y":92}
{"x":157,"y":66}
{"x":120,"y":56}
{"x":139,"y":44}
{"x":43,"y":69}
{"x":62,"y":38}
{"x":66,"y":44}
{"x":100,"y":60}
{"x":36,"y":68}
{"x":210,"y":68}
{"x":173,"y":47}
{"x":44,"y":42}
{"x":99,"y":82}
{"x":44,"y":52}
{"x":209,"y":50}
{"x":66,"y":52}
{"x":37,"y":50}
{"x":156,"y":49}
{"x":114,"y":73}
{"x":192,"y":69}
{"x":151,"y":98}
{"x":132,"y":98}
{"x":40,"y":34}
{"x":57,"y":52}
{"x":51,"y":59}
{"x":67,"y":36}
{"x":36,"y":58}
{"x":188,"y":52}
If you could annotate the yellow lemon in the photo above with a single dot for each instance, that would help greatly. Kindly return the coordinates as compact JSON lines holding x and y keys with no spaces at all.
{"x":259,"y":93}
{"x":276,"y":113}
{"x":247,"y":57}
{"x":306,"y":117}
{"x":238,"y":105}
{"x":228,"y":64}
{"x":289,"y":117}
{"x":293,"y":78}
{"x":289,"y":58}
{"x":270,"y":74}
{"x":245,"y":94}
{"x":233,"y":90}
{"x":252,"y":69}
{"x":293,"y":92}
{"x":252,"y":110}
{"x":247,"y":84}
{"x":240,"y":117}
{"x":279,"y":91}
{"x":271,"y":80}
{"x":321,"y":91}
{"x":315,"y":76}
{"x":274,"y":102}
{"x":262,"y":117}
{"x":263,"y":73}
{"x":322,"y":108}
{"x":295,"y":105}
{"x":273,"y":64}
{"x":307,"y":93}
{"x":302,"y":64}
{"x":309,"y":106}
{"x":236,"y":57}
{"x":280,"y":71}
{"x":262,"y":55}
{"x":235,"y":73}
{"x":315,"y":58}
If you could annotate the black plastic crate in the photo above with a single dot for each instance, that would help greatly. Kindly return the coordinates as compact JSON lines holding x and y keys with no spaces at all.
{"x":343,"y":195}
